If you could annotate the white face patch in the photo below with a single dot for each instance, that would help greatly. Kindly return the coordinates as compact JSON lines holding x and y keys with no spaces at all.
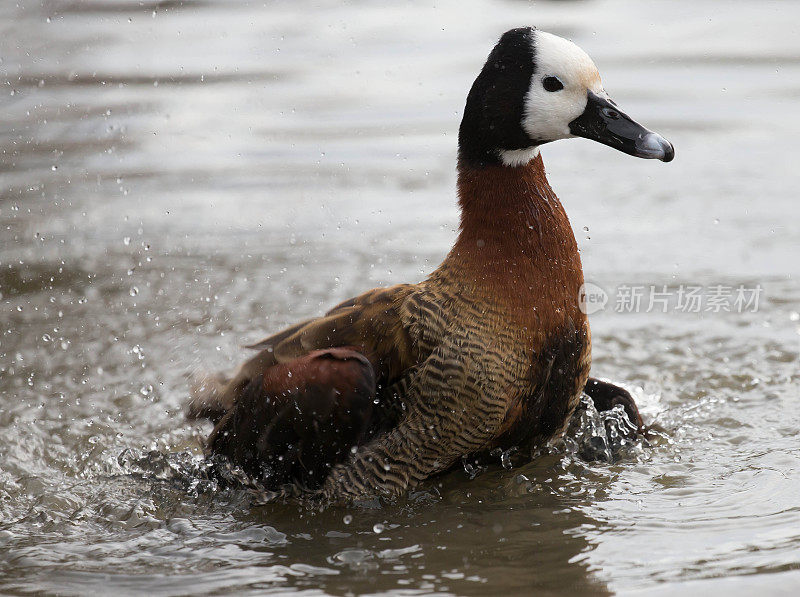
{"x":548,"y":113}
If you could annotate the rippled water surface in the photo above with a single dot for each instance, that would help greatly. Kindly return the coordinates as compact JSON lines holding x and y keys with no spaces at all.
{"x":180,"y":178}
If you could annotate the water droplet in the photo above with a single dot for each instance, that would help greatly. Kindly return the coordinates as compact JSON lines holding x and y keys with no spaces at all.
{"x":378,"y":528}
{"x":347,"y":519}
{"x":133,"y":291}
{"x":126,"y":241}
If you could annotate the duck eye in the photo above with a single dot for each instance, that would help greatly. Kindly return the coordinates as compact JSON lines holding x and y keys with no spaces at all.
{"x":552,"y":84}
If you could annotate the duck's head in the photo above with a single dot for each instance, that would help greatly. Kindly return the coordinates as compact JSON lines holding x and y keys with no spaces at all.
{"x":535,"y":88}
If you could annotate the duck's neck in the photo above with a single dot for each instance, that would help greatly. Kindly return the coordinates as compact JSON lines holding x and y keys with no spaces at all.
{"x":516,"y":244}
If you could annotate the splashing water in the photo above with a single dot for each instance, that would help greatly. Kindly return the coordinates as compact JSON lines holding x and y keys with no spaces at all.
{"x":161,"y":206}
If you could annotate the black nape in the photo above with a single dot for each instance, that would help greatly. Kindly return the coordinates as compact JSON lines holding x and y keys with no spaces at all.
{"x":495,"y":105}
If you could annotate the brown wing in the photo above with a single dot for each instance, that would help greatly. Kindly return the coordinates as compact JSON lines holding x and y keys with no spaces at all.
{"x":370,"y":323}
{"x":299,"y":419}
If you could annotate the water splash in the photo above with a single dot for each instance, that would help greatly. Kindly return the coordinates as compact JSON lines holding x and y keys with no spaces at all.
{"x":607,"y":436}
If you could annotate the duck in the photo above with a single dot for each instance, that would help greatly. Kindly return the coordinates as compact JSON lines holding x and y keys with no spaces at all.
{"x":492,"y":350}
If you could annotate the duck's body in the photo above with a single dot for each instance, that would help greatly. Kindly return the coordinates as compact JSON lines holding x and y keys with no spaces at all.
{"x":492,"y":350}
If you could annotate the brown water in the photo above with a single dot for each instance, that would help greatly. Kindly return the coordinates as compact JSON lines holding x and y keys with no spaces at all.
{"x":180,"y":178}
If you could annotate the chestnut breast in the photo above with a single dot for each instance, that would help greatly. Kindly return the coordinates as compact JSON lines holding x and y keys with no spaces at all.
{"x":517,"y":255}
